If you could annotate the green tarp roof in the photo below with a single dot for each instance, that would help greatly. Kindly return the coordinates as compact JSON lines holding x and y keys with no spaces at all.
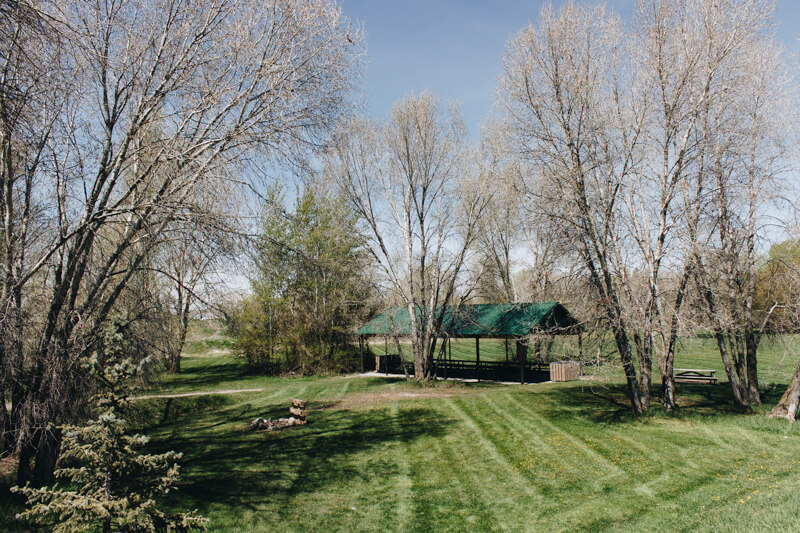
{"x":481,"y":320}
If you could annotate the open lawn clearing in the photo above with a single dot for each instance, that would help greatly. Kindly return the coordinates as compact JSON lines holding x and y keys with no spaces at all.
{"x":549,"y":457}
{"x":380,"y":454}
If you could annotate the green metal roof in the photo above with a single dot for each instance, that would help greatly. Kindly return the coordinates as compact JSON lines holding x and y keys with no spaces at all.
{"x":481,"y":320}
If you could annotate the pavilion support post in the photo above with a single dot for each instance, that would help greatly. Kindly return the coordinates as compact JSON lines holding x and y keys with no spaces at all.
{"x":361,"y":351}
{"x":386,"y":353}
{"x":478,"y":358}
{"x":446,"y":340}
{"x":375,"y":355}
{"x":522,"y":355}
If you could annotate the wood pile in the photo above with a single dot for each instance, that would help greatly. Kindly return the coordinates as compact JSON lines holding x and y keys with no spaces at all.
{"x":298,"y":418}
{"x":298,"y":410}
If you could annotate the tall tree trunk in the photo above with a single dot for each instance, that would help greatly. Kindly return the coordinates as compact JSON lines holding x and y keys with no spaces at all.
{"x":46,"y":456}
{"x":738,"y":397}
{"x":751,"y":347}
{"x":423,"y":360}
{"x":668,"y":377}
{"x":183,"y":328}
{"x":640,"y":397}
{"x":26,"y":453}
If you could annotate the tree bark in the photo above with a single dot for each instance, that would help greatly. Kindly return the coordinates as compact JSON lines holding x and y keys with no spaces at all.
{"x":751,"y":347}
{"x":46,"y":457}
{"x":789,"y":402}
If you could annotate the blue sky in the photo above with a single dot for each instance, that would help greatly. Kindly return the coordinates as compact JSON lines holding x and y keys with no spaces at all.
{"x":454,"y":48}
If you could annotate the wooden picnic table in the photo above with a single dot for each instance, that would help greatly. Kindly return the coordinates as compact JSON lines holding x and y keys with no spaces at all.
{"x":694,"y":375}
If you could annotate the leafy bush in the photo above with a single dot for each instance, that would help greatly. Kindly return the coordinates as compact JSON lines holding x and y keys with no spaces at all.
{"x":310,"y":290}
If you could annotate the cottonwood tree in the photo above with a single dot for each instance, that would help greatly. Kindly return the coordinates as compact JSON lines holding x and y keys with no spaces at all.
{"x":686,"y":58}
{"x":499,"y":230}
{"x":615,"y":129}
{"x":564,"y":97}
{"x":113,"y":113}
{"x":744,"y":141}
{"x":189,"y":260}
{"x":419,"y":204}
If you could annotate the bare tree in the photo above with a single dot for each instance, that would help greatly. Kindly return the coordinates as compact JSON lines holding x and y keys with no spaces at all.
{"x":686,"y":57}
{"x":564,"y":97}
{"x":617,"y":130}
{"x":499,"y":231}
{"x":408,"y":181}
{"x":188,"y":261}
{"x":744,"y":134}
{"x":114,"y":112}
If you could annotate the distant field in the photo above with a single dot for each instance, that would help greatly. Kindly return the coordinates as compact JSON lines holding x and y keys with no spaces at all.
{"x":777,"y":355}
{"x":490,"y":349}
{"x":380,"y":454}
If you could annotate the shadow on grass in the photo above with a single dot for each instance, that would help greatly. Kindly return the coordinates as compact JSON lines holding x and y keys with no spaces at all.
{"x":225,"y":462}
{"x":609,"y":403}
{"x":602,"y":405}
{"x":208,"y":375}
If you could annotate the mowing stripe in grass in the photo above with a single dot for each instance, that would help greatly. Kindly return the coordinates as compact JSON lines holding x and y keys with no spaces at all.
{"x":476,"y":473}
{"x":519,"y":428}
{"x":502,"y":458}
{"x":716,"y":438}
{"x":613,"y":469}
{"x":404,"y":503}
{"x":489,"y":442}
{"x":282,"y":394}
{"x":754,"y":438}
{"x":454,"y":495}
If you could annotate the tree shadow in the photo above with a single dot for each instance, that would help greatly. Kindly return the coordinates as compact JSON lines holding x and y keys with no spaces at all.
{"x":207,"y":375}
{"x":717,"y":399}
{"x":606,"y":405}
{"x":609,"y":403}
{"x":233,"y":465}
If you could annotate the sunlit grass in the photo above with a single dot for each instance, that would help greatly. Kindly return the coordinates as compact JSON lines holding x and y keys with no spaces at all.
{"x":380,"y":454}
{"x":547,"y":457}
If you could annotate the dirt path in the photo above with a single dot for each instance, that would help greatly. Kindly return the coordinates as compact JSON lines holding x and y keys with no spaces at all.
{"x":198,"y":393}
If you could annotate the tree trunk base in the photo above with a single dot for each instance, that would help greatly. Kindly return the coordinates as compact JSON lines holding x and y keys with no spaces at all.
{"x":790,"y":401}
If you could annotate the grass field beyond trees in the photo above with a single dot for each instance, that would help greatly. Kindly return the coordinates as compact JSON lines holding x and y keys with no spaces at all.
{"x":777,"y":354}
{"x":380,"y":454}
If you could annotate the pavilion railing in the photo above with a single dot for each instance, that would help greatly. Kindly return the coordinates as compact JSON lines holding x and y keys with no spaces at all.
{"x":534,"y":372}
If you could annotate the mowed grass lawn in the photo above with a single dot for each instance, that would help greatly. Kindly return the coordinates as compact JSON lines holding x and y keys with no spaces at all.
{"x":380,"y":454}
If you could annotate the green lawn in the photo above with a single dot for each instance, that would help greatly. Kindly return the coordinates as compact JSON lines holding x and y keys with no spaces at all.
{"x":380,"y":454}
